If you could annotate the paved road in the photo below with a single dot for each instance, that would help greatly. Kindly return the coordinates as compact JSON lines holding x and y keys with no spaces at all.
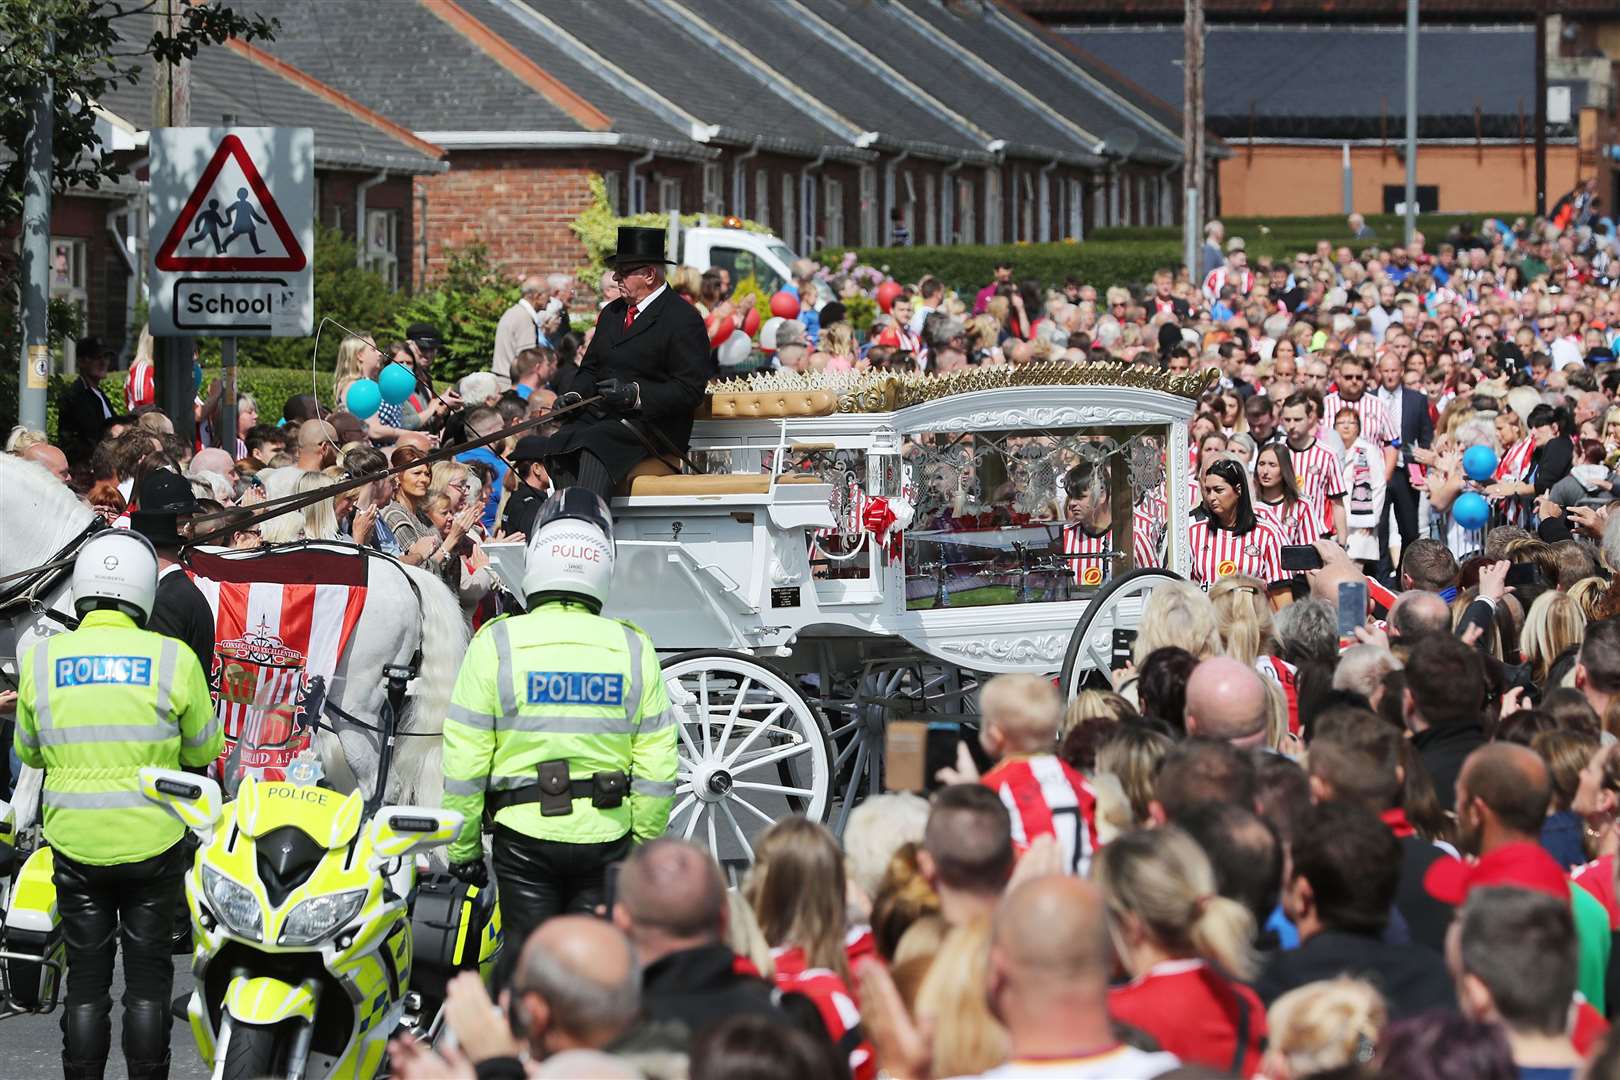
{"x":31,"y":1046}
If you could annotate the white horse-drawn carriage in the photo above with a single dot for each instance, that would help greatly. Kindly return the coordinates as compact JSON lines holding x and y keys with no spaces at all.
{"x":868,"y":546}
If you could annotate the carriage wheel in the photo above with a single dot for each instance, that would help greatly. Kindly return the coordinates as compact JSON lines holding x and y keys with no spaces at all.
{"x":752,"y":750}
{"x":1118,"y":605}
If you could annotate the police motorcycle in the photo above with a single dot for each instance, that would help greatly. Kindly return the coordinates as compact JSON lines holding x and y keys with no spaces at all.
{"x":33,"y":954}
{"x":315,"y":935}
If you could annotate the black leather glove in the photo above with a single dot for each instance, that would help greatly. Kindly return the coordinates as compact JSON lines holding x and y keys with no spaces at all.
{"x":618,"y":395}
{"x":473,"y":873}
{"x":569,"y":399}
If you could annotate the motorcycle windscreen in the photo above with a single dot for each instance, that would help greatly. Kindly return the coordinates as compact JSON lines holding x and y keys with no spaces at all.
{"x":273,"y":728}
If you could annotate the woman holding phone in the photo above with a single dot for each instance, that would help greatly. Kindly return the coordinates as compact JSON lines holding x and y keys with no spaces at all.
{"x":1226,"y":536}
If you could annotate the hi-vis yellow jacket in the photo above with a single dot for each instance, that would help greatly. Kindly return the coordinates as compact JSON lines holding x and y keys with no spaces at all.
{"x":94,"y":707}
{"x":559,"y":682}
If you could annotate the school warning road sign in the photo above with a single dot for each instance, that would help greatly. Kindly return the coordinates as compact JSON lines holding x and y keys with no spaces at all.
{"x":232,"y":212}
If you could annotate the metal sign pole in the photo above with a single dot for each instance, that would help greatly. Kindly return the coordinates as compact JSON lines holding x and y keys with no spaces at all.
{"x":227,"y":397}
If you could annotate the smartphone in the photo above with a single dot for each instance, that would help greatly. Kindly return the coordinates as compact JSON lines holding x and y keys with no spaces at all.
{"x":1524,"y":574}
{"x":1301,"y":557}
{"x":1352,"y":607}
{"x":1124,"y":646}
{"x":939,"y":751}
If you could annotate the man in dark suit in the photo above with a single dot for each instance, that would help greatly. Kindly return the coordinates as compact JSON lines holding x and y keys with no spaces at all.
{"x":648,"y":362}
{"x":180,"y":611}
{"x":84,"y":411}
{"x":1409,"y":413}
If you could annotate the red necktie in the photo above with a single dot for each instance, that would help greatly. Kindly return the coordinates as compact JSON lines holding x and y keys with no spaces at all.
{"x":629,"y":316}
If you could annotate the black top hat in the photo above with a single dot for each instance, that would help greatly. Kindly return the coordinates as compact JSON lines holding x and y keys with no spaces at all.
{"x":163,"y":499}
{"x":531,"y":448}
{"x":638,"y":247}
{"x":426,"y":335}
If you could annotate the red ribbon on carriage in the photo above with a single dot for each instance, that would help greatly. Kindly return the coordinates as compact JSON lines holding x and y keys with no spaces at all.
{"x":887,"y":523}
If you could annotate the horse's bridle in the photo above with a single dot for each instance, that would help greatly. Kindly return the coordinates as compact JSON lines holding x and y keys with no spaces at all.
{"x":34,"y":582}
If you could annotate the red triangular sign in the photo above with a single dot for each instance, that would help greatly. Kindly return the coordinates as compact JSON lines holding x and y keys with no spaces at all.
{"x":166,"y":259}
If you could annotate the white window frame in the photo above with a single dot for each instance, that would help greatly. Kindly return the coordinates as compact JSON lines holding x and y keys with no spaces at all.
{"x":930,"y":208}
{"x":968,"y":208}
{"x":610,"y":184}
{"x":832,"y":201}
{"x":869,"y":207}
{"x":74,"y":287}
{"x":790,"y":205}
{"x":713,"y":196}
{"x":762,"y":197}
{"x":669,"y":194}
{"x":380,"y":253}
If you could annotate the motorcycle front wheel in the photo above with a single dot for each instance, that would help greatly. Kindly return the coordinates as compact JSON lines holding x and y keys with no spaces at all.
{"x":254,"y":1052}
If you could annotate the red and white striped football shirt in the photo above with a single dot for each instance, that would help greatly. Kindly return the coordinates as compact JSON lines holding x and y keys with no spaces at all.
{"x":1294,"y":526}
{"x":1376,"y":426}
{"x":1146,"y":531}
{"x":140,"y":388}
{"x":1515,"y":465}
{"x":1320,"y":475}
{"x":1218,"y":553}
{"x":1043,"y":795}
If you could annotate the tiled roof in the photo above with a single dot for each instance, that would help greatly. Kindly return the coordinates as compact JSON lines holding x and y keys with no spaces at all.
{"x":229,"y":83}
{"x":1337,"y":82}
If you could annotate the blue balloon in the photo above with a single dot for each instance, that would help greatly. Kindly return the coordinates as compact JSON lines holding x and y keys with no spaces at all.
{"x":398,"y":383}
{"x":364,"y":397}
{"x":1471,"y":511}
{"x":1479,"y":462}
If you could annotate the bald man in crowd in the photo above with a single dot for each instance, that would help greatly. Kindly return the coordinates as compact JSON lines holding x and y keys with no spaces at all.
{"x":1418,"y":614}
{"x":1048,"y":985}
{"x":672,"y":905}
{"x":1227,"y":701}
{"x":49,"y":458}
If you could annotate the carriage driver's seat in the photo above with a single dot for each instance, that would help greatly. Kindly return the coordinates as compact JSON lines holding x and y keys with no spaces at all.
{"x":661,"y":477}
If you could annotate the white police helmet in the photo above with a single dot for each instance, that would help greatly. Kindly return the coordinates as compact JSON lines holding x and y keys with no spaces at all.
{"x":571,"y":551}
{"x":116,"y":568}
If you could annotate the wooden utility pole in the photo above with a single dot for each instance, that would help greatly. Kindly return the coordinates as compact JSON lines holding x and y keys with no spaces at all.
{"x":1192,"y":134}
{"x":171,"y":107}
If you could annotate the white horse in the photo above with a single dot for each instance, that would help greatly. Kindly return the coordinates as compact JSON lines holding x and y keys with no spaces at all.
{"x":39,"y":516}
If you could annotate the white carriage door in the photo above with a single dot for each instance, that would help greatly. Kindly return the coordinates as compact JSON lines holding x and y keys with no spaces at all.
{"x":833,"y":214}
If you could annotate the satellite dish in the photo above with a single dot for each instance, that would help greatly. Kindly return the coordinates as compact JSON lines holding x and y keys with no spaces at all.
{"x":1120,"y":142}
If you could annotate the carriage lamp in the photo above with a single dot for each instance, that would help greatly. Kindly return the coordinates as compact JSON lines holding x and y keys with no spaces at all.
{"x":235,"y":904}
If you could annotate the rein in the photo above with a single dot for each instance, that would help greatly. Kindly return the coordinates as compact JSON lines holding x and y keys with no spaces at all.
{"x":62,"y":560}
{"x":205,"y":527}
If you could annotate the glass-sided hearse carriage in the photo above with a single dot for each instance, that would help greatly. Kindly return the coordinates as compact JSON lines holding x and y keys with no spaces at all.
{"x":867,"y":546}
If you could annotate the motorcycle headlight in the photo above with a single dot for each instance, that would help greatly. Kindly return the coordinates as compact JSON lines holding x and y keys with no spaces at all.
{"x":234,"y":903}
{"x":320,"y":916}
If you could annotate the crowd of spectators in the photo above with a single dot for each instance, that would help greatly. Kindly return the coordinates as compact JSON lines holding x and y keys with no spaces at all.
{"x":1267,"y":849}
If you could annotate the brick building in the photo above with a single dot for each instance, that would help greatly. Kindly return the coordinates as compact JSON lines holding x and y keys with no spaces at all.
{"x":827,"y":122}
{"x":1312,"y":86}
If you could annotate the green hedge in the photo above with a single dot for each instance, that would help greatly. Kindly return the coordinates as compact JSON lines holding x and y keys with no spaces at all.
{"x":1129,"y":255}
{"x":968,"y":267}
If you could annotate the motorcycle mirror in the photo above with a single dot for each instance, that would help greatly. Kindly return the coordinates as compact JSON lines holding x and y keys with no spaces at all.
{"x":194,"y":800}
{"x":400,"y":831}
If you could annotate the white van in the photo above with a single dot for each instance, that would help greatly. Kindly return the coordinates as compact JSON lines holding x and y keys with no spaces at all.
{"x":742,"y":253}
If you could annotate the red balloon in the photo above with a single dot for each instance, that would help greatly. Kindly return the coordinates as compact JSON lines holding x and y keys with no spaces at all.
{"x":886,"y":293}
{"x":719,"y":330}
{"x":785,"y":304}
{"x":751,"y":321}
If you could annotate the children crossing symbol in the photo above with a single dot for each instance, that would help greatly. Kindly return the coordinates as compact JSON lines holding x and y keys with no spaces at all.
{"x":220,"y":229}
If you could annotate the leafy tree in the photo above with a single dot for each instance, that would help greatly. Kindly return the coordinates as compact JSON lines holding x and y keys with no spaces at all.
{"x":465,"y":304}
{"x":81,"y":46}
{"x":353,"y":297}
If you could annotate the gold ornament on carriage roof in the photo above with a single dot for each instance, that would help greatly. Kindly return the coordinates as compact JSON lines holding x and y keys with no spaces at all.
{"x":886,"y":391}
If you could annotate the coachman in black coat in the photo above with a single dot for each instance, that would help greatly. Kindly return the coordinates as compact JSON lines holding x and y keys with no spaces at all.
{"x":657,"y":369}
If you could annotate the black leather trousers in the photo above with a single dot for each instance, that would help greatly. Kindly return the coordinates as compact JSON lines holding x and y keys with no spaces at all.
{"x":101,"y":907}
{"x":537,"y":879}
